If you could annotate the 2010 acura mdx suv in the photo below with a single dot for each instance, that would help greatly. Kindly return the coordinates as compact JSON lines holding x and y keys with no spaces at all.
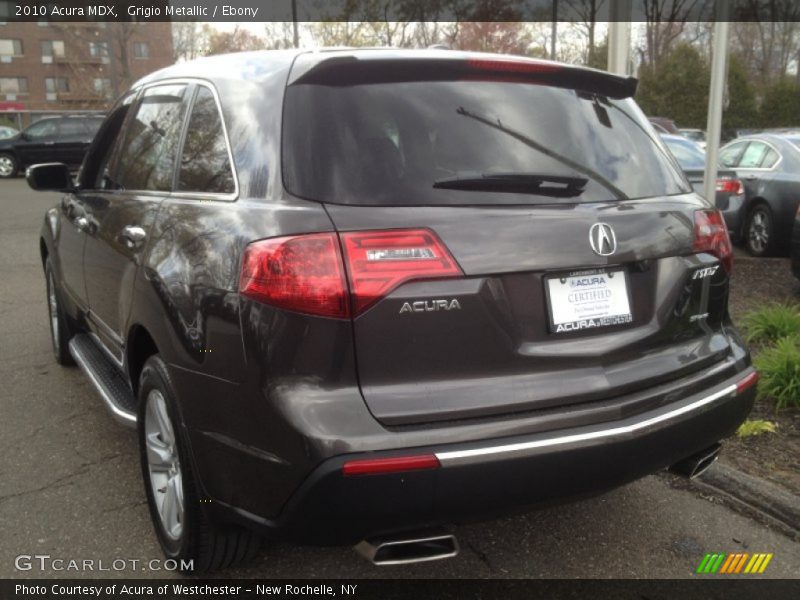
{"x":363,"y":295}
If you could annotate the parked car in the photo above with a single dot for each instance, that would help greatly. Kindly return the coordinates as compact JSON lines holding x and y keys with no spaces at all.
{"x":769,"y":167}
{"x":729,"y":194}
{"x":696,"y":135}
{"x":7,"y":132}
{"x":348,"y":294}
{"x":795,"y":251}
{"x":55,"y":139}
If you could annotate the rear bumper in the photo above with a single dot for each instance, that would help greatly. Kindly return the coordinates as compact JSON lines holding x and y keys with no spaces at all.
{"x":482,"y":479}
{"x":734,"y":214}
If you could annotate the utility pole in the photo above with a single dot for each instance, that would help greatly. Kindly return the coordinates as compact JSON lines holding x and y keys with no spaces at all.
{"x":619,"y":37}
{"x":554,"y":32}
{"x":719,"y":64}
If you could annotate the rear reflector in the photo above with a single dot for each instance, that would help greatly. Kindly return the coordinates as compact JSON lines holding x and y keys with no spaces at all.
{"x":379,"y":466}
{"x":380,"y":261}
{"x":299,"y":273}
{"x":711,"y":235}
{"x":730,"y":186}
{"x":747,"y":382}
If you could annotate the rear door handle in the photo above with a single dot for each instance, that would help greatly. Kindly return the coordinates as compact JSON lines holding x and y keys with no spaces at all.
{"x":133,"y":235}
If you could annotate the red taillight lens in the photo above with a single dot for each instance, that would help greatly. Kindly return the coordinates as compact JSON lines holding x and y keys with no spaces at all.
{"x":747,"y":382}
{"x":730,"y":186}
{"x":379,"y":261}
{"x":390,"y":465}
{"x":711,"y":235}
{"x":299,"y":273}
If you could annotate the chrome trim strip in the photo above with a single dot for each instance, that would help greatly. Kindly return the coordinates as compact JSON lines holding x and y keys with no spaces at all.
{"x":460,"y":457}
{"x":121,"y":416}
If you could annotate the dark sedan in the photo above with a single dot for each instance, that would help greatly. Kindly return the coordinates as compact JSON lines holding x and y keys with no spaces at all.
{"x":769,"y":167}
{"x":56,"y":139}
{"x":729,"y":194}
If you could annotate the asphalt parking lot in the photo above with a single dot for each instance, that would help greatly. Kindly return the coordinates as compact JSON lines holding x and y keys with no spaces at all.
{"x":70,"y":483}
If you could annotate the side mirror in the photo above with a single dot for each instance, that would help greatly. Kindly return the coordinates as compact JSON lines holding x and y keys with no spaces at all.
{"x":50,"y":177}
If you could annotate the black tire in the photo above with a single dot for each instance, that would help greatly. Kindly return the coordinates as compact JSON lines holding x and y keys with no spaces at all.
{"x":8,"y":165}
{"x":759,"y":231}
{"x":208,"y":545}
{"x":60,"y":328}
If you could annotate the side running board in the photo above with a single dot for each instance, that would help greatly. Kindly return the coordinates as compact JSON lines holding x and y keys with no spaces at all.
{"x":106,"y":379}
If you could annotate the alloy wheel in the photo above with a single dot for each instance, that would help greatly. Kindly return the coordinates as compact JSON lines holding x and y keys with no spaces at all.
{"x":758,"y":232}
{"x":6,"y":166}
{"x":164,"y":465}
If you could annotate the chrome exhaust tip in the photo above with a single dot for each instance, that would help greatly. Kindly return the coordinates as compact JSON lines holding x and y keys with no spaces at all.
{"x":696,"y":464}
{"x":408,"y":548}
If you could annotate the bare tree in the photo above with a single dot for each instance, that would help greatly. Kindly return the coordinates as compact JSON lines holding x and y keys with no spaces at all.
{"x":189,"y":39}
{"x":666,"y":22}
{"x":586,"y":12}
{"x":238,"y":40}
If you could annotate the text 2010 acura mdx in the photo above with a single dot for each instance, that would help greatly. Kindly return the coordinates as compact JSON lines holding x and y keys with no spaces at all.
{"x":362,"y":295}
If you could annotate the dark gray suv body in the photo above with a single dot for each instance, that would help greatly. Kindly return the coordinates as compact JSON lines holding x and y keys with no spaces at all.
{"x":349,"y":293}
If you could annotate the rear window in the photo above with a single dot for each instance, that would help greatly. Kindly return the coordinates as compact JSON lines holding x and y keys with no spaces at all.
{"x":390,"y":143}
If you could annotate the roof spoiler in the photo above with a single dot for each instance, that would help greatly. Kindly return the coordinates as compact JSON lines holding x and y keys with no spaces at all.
{"x":351,"y":70}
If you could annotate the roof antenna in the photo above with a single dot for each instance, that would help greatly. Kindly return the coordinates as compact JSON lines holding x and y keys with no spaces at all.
{"x":438,"y":47}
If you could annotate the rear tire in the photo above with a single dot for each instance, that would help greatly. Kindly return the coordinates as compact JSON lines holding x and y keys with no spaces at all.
{"x":60,"y":330}
{"x":173,"y":496}
{"x":8,"y":166}
{"x":759,"y":231}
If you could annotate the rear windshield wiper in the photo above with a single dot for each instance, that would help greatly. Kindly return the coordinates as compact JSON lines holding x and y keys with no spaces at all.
{"x":556,"y":186}
{"x":568,"y":162}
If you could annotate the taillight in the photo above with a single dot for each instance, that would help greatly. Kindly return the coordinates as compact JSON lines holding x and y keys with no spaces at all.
{"x":747,"y":382}
{"x":711,"y":235}
{"x":730,"y":186}
{"x":380,"y":261}
{"x":301,"y":273}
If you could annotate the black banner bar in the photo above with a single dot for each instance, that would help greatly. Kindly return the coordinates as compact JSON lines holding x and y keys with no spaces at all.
{"x":389,"y":10}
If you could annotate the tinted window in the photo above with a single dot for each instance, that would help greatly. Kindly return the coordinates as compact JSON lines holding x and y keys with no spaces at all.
{"x":753,"y":155}
{"x":770,"y":158}
{"x":147,"y":158}
{"x":71,"y":128}
{"x":388,"y":143}
{"x":92,"y":125}
{"x":205,"y":166}
{"x":42,"y":129}
{"x":689,"y":156}
{"x":729,"y":157}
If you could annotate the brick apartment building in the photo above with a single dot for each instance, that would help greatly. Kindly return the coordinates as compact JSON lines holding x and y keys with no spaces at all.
{"x":48,"y":67}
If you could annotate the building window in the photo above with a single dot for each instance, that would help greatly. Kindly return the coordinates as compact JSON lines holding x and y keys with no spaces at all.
{"x":141,"y":50}
{"x":13,"y":85}
{"x":98,"y":49}
{"x":52,"y":48}
{"x":10,"y":47}
{"x":56,"y":84}
{"x":102,"y":86}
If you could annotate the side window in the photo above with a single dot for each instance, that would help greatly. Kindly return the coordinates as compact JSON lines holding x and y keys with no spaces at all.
{"x":70,"y":128}
{"x":42,"y":129}
{"x":752,"y":157}
{"x":147,"y":157}
{"x":205,"y":165}
{"x":729,"y":157}
{"x":770,"y":158}
{"x":96,"y":173}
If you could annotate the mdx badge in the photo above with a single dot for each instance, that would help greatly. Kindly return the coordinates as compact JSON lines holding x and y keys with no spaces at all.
{"x":602,"y":239}
{"x":429,"y":306}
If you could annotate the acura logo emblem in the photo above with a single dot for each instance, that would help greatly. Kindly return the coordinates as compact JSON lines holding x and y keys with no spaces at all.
{"x":602,"y":239}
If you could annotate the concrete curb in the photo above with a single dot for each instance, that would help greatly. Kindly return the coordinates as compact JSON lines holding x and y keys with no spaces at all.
{"x":758,"y":494}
